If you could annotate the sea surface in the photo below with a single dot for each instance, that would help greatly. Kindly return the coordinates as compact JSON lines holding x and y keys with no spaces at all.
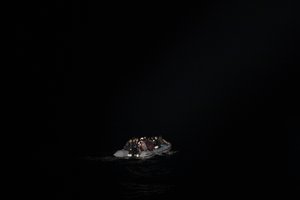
{"x":163,"y":176}
{"x":109,"y":177}
{"x":184,"y":173}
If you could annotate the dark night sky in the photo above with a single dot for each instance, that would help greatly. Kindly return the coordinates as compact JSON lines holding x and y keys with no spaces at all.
{"x":212,"y":74}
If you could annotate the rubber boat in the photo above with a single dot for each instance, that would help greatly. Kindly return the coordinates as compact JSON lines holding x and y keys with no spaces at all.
{"x":144,"y":148}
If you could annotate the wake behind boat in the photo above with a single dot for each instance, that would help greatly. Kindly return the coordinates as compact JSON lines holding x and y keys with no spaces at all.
{"x":144,"y":147}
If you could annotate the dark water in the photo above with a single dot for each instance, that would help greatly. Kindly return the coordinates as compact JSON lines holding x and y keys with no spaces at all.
{"x":107,"y":176}
{"x":167,"y":177}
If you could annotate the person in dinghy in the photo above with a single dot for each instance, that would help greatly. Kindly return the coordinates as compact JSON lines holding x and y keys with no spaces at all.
{"x":144,"y":147}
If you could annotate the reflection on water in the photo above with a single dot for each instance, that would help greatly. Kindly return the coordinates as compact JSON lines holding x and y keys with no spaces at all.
{"x":112,"y":158}
{"x":137,"y":190}
{"x":140,"y":178}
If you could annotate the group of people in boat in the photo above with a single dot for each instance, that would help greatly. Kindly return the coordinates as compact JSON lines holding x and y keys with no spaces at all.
{"x":137,"y":145}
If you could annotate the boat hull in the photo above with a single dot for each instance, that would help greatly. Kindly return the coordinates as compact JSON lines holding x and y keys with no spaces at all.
{"x":145,"y":154}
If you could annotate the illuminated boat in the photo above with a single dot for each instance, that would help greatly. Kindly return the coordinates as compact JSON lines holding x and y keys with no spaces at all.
{"x":142,"y":148}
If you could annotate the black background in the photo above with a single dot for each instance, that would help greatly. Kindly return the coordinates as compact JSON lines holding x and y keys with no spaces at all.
{"x":211,"y":78}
